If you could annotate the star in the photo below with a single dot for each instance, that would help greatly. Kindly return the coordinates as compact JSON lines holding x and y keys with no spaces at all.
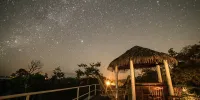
{"x":100,"y":30}
{"x":19,"y":50}
{"x":16,"y":41}
{"x":158,"y":2}
{"x":81,"y":41}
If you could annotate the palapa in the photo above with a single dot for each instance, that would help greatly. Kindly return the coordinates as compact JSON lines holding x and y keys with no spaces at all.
{"x":142,"y":58}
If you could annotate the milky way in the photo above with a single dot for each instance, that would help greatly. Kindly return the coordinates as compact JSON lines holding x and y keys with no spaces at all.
{"x":69,"y":32}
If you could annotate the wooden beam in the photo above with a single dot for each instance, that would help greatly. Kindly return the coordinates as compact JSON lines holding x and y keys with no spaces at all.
{"x":132,"y":80}
{"x":159,"y":73}
{"x":169,"y":81}
{"x":116,"y":82}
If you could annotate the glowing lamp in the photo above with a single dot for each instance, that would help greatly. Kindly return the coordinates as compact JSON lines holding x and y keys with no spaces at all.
{"x":107,"y":83}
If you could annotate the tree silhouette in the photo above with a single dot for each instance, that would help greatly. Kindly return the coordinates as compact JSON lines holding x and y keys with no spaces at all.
{"x":188,"y":70}
{"x":58,"y":74}
{"x":79,"y":73}
{"x":20,"y":73}
{"x":172,"y":52}
{"x":35,"y":66}
{"x":24,"y":77}
{"x":89,"y":71}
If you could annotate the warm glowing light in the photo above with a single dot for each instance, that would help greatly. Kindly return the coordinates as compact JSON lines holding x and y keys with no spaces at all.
{"x":107,"y":83}
{"x":184,"y":89}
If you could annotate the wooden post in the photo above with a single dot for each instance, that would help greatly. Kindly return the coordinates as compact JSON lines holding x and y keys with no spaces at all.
{"x":89,"y":93}
{"x":77,"y":95}
{"x":169,"y":81}
{"x":27,"y":97}
{"x":116,"y":82}
{"x":132,"y":80}
{"x":106,"y":89}
{"x":95,"y":89}
{"x":159,"y":73}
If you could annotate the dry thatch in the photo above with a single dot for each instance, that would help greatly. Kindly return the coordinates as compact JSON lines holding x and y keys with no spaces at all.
{"x":142,"y":58}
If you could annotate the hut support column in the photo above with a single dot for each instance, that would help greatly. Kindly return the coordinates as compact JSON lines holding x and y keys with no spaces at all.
{"x":159,"y":73}
{"x":132,"y":80}
{"x":116,"y":82}
{"x":169,"y":81}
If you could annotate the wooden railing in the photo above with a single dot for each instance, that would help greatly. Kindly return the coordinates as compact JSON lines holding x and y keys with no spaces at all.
{"x":27,"y":95}
{"x":159,"y":91}
{"x":145,"y":91}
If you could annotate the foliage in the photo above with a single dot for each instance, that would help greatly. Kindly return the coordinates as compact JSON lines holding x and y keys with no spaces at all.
{"x":187,"y":74}
{"x":35,"y":66}
{"x":58,"y":74}
{"x":172,"y":52}
{"x":23,"y":79}
{"x":191,"y":52}
{"x":148,"y":75}
{"x":188,"y":70}
{"x":79,"y":73}
{"x":35,"y":82}
{"x":32,"y":80}
{"x":20,"y":73}
{"x":89,"y":70}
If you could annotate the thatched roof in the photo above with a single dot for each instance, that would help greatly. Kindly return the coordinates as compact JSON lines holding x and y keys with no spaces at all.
{"x":142,"y":58}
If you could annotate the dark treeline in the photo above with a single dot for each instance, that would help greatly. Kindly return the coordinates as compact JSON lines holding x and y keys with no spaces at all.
{"x":31,"y":80}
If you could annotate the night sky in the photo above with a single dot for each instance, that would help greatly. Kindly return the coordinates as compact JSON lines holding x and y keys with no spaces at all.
{"x":69,"y":32}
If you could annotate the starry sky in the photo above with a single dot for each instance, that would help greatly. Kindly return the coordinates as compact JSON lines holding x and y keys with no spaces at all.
{"x":69,"y":32}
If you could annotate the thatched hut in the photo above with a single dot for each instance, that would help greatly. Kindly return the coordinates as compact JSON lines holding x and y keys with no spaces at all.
{"x":139,"y":57}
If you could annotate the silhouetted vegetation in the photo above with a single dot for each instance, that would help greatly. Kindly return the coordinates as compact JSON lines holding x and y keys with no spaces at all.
{"x":148,"y":76}
{"x":32,"y":80}
{"x":188,"y":71}
{"x":89,"y":71}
